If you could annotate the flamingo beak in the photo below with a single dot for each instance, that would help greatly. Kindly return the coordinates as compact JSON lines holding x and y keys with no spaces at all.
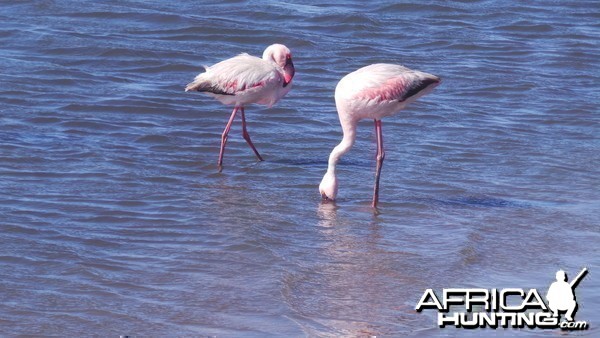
{"x":326,"y":198}
{"x":288,"y":72}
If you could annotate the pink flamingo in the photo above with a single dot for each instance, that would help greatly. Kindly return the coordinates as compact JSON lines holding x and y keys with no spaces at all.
{"x":246,"y":79}
{"x":372,"y":92}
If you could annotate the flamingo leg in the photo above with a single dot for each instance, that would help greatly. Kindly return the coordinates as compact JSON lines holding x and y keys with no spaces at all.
{"x":224,"y":137}
{"x":247,"y":136}
{"x":380,"y":158}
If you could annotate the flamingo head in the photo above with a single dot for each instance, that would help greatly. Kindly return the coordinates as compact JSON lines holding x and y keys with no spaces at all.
{"x":329,"y":186}
{"x":282,"y":56}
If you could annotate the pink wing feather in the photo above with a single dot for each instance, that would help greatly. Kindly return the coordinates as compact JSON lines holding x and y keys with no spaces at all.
{"x":386,"y":82}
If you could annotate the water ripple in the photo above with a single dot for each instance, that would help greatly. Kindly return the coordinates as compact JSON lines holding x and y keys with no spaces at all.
{"x":115,"y":219}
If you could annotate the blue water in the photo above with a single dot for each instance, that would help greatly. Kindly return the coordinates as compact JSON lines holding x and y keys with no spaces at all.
{"x":115,"y":220}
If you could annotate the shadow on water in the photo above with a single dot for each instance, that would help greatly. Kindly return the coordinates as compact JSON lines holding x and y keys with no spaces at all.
{"x":476,"y":201}
{"x":303,"y":162}
{"x":328,"y":209}
{"x":322,"y":162}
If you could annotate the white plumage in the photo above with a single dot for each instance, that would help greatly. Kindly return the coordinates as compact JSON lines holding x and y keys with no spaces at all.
{"x":246,"y":79}
{"x":373,"y":92}
{"x":242,"y":80}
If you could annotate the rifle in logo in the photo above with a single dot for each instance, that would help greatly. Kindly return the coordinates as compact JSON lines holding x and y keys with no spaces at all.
{"x":561,"y":294}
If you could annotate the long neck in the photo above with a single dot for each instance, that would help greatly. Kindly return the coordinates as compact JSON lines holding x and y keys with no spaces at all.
{"x":349,"y":130}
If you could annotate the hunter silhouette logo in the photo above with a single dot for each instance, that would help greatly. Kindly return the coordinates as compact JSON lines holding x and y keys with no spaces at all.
{"x":510,"y":307}
{"x":561,"y":295}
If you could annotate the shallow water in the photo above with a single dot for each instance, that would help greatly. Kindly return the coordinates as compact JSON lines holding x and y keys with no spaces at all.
{"x":115,"y":220}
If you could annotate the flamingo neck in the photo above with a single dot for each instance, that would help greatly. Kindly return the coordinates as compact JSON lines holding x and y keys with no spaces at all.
{"x":343,"y":147}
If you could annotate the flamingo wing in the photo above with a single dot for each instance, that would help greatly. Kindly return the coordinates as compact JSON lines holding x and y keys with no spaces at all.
{"x":416,"y":86}
{"x":235,"y":75}
{"x":387,"y":82}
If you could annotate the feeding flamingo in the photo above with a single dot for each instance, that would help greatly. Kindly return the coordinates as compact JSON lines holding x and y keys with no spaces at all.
{"x":372,"y":92}
{"x":246,"y":79}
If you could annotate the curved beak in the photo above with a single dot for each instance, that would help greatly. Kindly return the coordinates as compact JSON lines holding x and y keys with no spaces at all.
{"x":288,"y":72}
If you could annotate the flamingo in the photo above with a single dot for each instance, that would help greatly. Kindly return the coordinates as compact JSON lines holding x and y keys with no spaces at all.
{"x":372,"y":92}
{"x":246,"y":79}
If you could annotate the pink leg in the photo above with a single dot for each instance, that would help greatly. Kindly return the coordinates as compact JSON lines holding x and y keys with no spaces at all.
{"x":247,"y":136}
{"x":224,"y":138}
{"x":380,"y":158}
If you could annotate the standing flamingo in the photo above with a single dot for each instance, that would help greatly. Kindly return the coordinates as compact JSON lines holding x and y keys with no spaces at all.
{"x":373,"y":92}
{"x":246,"y":79}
